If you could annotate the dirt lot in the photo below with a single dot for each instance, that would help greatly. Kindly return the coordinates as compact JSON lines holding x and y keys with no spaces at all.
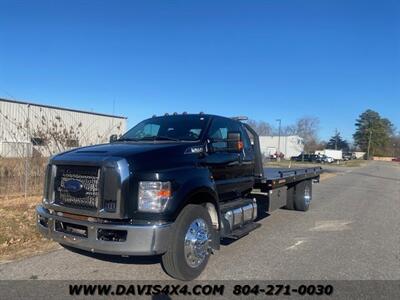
{"x":19,"y":237}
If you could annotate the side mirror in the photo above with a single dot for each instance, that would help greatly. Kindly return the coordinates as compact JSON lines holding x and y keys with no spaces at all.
{"x":113,"y":138}
{"x":234,"y":141}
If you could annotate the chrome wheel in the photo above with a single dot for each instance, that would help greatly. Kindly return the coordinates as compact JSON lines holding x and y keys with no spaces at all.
{"x":196,"y":243}
{"x":307,"y":195}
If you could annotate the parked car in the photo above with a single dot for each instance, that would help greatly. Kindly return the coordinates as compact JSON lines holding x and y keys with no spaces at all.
{"x":276,"y":155}
{"x":396,"y":159}
{"x":305,"y":157}
{"x":347,"y":156}
{"x":324,"y":159}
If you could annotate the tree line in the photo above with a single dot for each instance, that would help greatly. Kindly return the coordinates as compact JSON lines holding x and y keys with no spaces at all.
{"x":374,"y":135}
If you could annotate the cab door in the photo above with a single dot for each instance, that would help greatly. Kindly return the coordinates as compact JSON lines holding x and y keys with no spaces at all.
{"x":227,"y":168}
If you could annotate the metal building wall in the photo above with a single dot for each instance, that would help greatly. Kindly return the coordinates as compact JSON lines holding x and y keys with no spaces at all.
{"x":291,"y":145}
{"x":20,"y":122}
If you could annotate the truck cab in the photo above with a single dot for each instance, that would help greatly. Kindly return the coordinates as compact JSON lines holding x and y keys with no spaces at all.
{"x":173,"y":185}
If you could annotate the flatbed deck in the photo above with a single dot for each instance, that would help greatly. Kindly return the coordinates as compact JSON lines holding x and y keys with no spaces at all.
{"x":278,"y":177}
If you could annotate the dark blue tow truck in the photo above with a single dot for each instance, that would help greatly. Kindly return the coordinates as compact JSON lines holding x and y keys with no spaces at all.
{"x":173,"y":185}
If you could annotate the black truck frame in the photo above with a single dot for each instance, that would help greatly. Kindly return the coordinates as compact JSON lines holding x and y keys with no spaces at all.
{"x":174,"y":185}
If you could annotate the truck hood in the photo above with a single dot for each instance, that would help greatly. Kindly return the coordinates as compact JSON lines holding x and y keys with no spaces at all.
{"x":122,"y":149}
{"x":144,"y":155}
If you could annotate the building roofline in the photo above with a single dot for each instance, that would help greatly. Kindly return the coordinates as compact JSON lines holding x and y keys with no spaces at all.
{"x":282,"y":135}
{"x":61,"y":108}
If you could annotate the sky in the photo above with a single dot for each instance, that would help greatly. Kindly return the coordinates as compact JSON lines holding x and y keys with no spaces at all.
{"x":266,"y":60}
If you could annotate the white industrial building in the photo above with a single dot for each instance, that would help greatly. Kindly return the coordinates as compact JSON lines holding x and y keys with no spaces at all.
{"x":290,"y":145}
{"x":28,"y":129}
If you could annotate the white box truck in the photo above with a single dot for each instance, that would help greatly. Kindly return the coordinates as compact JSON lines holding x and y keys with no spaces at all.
{"x":335,"y":154}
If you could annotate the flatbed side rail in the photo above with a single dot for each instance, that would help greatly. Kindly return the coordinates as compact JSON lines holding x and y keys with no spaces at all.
{"x":300,"y":171}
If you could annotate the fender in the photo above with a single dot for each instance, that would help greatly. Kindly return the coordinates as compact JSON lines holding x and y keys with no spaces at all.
{"x":199,"y":190}
{"x":201,"y":183}
{"x":193,"y":197}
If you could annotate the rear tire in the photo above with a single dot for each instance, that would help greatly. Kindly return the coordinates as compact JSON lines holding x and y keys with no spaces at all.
{"x":303,"y":195}
{"x":299,"y":196}
{"x":188,"y":252}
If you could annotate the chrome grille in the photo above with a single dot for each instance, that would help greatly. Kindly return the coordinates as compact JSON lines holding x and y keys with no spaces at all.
{"x":88,"y":196}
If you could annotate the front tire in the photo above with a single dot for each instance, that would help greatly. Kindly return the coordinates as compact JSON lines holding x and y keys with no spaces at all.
{"x":189,"y":249}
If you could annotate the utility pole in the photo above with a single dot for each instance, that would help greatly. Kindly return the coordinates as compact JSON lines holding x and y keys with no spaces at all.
{"x":27,"y":152}
{"x":113,"y":112}
{"x":278,"y":158}
{"x":369,"y":142}
{"x":336,"y":137}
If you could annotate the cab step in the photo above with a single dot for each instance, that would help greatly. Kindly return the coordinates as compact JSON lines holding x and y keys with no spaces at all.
{"x":242,"y":231}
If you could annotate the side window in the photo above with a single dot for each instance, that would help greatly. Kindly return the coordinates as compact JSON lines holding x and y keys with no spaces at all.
{"x":151,"y":129}
{"x":245,"y":137}
{"x":250,"y":135}
{"x":218,"y":132}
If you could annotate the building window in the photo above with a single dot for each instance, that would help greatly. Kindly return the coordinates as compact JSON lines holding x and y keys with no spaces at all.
{"x":36,"y":141}
{"x":72,"y":143}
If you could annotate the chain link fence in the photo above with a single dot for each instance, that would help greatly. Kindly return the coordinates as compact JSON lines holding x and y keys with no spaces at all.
{"x":21,"y":176}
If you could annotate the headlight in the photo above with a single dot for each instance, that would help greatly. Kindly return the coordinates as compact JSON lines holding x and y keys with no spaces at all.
{"x":153,"y":195}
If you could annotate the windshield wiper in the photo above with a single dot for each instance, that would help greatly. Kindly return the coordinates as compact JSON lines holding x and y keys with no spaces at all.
{"x":127,"y":140}
{"x":158,"y":138}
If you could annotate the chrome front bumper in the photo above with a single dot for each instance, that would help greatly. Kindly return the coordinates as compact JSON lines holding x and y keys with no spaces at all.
{"x":140,"y":239}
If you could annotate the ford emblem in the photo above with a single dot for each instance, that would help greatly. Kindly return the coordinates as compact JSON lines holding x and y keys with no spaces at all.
{"x":73,"y":185}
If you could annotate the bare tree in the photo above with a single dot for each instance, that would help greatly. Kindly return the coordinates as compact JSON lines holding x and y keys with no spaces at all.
{"x":289,"y":130}
{"x":261,"y":127}
{"x":307,"y":128}
{"x":58,"y":136}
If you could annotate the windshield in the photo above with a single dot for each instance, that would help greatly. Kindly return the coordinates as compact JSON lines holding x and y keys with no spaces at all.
{"x":174,"y":128}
